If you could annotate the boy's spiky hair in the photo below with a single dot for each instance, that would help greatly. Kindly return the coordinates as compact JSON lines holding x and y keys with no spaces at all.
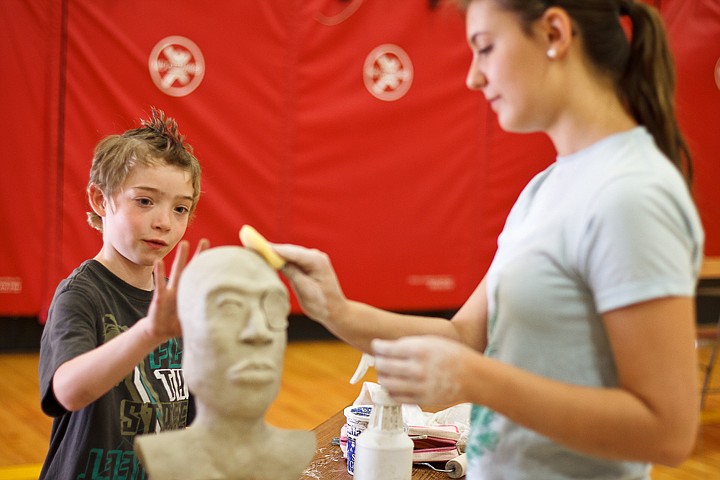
{"x":165,"y":129}
{"x":156,"y":142}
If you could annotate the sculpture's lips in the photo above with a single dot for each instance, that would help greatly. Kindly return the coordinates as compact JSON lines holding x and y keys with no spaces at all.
{"x":252,"y":371}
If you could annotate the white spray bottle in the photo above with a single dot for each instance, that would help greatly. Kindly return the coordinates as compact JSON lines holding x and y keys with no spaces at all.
{"x":384,"y":450}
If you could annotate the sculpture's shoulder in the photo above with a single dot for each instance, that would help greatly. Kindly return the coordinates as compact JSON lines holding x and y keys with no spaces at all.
{"x":275,"y":454}
{"x":165,"y":456}
{"x":295,"y":444}
{"x":298,"y":436}
{"x":290,"y":453}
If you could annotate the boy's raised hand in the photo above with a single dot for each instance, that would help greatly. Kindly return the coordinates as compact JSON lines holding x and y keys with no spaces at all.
{"x":164,"y":321}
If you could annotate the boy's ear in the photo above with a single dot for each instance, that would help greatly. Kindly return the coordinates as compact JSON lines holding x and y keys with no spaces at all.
{"x":96,"y":198}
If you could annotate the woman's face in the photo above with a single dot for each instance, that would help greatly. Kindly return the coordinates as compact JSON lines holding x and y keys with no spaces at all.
{"x":509,"y":67}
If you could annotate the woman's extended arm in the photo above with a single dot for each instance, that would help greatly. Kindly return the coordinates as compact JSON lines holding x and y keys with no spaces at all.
{"x":316,"y":286}
{"x":651,"y":416}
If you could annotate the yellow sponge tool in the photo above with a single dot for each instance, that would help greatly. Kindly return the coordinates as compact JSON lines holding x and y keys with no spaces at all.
{"x":251,"y":239}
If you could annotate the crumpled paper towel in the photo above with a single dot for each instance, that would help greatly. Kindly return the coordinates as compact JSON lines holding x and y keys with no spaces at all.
{"x":458,"y":415}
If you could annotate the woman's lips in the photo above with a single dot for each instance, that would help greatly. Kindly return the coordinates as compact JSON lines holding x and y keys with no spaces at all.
{"x":493,"y":101}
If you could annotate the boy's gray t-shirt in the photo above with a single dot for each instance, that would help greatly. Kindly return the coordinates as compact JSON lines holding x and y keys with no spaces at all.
{"x":607,"y":227}
{"x":89,"y":308}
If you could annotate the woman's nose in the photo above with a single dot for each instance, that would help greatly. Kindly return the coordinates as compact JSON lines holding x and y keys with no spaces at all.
{"x":475,"y":79}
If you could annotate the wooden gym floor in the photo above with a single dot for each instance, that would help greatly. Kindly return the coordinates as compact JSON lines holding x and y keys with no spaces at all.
{"x":315,"y":386}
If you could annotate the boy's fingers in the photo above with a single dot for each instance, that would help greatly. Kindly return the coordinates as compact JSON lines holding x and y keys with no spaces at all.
{"x":179,"y":263}
{"x":159,"y":271}
{"x":202,"y":245}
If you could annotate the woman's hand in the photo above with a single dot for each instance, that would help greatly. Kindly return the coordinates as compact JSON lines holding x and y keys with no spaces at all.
{"x":314,"y":282}
{"x":423,"y":369}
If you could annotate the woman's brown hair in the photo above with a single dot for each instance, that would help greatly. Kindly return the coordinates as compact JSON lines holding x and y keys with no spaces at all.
{"x":640,"y":66}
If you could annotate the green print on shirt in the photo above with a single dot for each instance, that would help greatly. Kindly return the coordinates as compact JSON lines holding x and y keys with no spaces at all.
{"x":140,"y":417}
{"x":145,"y":412}
{"x":136,"y":383}
{"x":112,"y":465}
{"x":167,"y":355}
{"x":483,"y":438}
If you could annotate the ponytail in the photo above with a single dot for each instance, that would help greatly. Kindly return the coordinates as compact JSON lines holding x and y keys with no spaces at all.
{"x":647,"y":85}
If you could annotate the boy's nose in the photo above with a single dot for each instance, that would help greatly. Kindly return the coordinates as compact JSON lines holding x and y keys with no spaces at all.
{"x":161,"y":220}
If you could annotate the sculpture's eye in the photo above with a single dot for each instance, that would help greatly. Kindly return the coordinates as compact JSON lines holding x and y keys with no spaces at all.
{"x":276,"y":308}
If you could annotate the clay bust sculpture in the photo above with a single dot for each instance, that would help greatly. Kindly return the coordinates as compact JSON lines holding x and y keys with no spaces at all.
{"x":233,"y":309}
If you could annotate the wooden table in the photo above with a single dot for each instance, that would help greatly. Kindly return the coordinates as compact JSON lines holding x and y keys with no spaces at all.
{"x":329,"y":464}
{"x":710,"y":268}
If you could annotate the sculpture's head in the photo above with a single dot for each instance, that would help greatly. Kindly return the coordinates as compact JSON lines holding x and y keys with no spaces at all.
{"x":233,"y":309}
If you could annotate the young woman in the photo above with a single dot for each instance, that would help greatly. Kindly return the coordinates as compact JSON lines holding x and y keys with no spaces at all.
{"x":110,"y":354}
{"x":577,"y":348}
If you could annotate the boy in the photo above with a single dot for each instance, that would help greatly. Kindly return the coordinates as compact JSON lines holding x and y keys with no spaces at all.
{"x":110,"y":354}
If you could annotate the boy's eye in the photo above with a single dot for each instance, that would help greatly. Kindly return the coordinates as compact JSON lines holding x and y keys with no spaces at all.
{"x":144,"y":201}
{"x":182,"y":209}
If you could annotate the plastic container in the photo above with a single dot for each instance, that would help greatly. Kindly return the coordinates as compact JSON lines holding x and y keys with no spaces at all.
{"x":358,"y":417}
{"x":384,"y":450}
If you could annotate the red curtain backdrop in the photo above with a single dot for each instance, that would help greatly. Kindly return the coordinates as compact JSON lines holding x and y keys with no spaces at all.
{"x":694,"y":33}
{"x":406,"y":190}
{"x":32,"y":63}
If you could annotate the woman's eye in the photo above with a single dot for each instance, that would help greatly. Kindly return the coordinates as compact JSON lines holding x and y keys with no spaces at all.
{"x":485,"y":50}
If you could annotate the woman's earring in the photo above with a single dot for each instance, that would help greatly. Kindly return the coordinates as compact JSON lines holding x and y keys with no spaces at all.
{"x":551,"y":53}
